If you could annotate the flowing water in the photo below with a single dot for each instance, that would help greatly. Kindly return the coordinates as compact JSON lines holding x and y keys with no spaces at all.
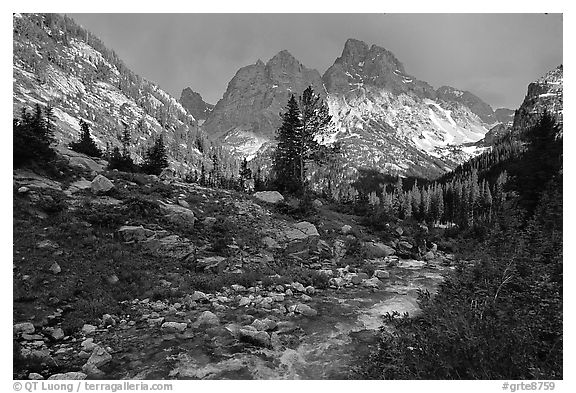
{"x":327,"y":346}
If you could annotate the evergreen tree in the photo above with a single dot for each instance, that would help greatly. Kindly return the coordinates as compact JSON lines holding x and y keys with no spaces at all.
{"x":32,"y":137}
{"x":86,"y":144}
{"x":286,"y":161}
{"x":156,"y":158}
{"x":297,"y":145}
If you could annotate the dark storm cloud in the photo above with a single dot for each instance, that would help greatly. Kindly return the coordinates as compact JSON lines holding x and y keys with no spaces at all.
{"x":493,"y":55}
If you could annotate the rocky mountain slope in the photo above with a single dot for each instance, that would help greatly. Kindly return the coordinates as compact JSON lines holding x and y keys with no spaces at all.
{"x":545,"y":94}
{"x":247,"y":116}
{"x":386,"y":118}
{"x":195,"y":105}
{"x":57,"y":62}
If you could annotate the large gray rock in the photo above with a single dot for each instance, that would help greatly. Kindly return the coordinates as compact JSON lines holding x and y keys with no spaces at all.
{"x":178,"y":215}
{"x":207,"y":318}
{"x":306,"y":228}
{"x":70,"y":376}
{"x":23,"y":327}
{"x":269,"y":196}
{"x":98,"y":358}
{"x":174,"y":327}
{"x":373,"y":282}
{"x":253,"y":336}
{"x":264,"y":324}
{"x":101,"y":184}
{"x":301,"y":237}
{"x":129,"y":233}
{"x":305,"y":310}
{"x":378,"y":250}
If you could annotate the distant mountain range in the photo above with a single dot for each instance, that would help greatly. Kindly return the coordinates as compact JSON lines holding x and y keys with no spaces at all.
{"x":385,"y":118}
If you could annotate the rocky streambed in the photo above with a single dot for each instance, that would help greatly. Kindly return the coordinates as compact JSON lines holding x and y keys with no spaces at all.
{"x":282,"y":332}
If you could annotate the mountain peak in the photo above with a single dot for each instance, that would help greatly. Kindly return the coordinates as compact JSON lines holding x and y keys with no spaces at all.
{"x":354,"y":51}
{"x":194,"y":104}
{"x":283,"y":58}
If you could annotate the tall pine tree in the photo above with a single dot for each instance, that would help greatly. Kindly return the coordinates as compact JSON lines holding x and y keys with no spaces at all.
{"x":156,"y":158}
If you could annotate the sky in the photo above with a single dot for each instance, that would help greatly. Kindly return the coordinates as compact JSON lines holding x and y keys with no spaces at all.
{"x":495,"y":56}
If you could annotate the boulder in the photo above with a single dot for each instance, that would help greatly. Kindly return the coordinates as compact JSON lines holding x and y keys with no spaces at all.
{"x":88,"y":345}
{"x":207,"y":318}
{"x":98,"y":358}
{"x":298,"y":287}
{"x":377,"y":250}
{"x":373,"y":283}
{"x":301,"y":237}
{"x":24,"y":327}
{"x":101,"y":184}
{"x":129,"y":233}
{"x":317,"y":203}
{"x":307,"y":228}
{"x":269,"y":196}
{"x":251,"y":335}
{"x":55,"y":268}
{"x":174,"y":327}
{"x":70,"y":376}
{"x":305,"y":310}
{"x":244,"y":301}
{"x":399,"y":231}
{"x":264,"y":324}
{"x":178,"y":215}
{"x":56,"y":334}
{"x":35,"y":376}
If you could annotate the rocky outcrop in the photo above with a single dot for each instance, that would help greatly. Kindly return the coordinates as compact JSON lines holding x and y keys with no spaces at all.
{"x":195,"y":105}
{"x":545,"y":94}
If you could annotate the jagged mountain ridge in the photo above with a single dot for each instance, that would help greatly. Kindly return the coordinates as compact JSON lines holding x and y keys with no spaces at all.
{"x":57,"y":62}
{"x":195,"y":105}
{"x":247,"y":116}
{"x":386,"y":118}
